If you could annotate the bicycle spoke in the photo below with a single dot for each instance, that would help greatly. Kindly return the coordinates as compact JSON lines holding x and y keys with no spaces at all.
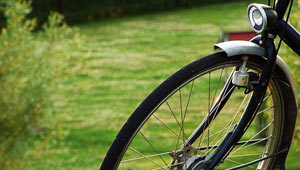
{"x":271,"y":107}
{"x":239,"y":143}
{"x":217,"y":86}
{"x":220,"y":131}
{"x":241,"y":147}
{"x":262,"y":140}
{"x":237,"y":156}
{"x":216,"y":144}
{"x":167,"y":127}
{"x":230,"y":124}
{"x":217,"y":107}
{"x":210,"y":104}
{"x":177,"y":143}
{"x":209,"y":107}
{"x":257,"y":160}
{"x":241,"y":108}
{"x":207,"y":122}
{"x":240,"y":163}
{"x":268,"y":96}
{"x":173,"y":115}
{"x":181,"y":114}
{"x":152,"y":147}
{"x":144,"y":157}
{"x":169,"y":166}
{"x":188,"y":102}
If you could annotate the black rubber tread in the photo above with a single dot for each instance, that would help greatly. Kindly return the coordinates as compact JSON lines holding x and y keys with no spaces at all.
{"x":290,"y":117}
{"x":146,"y":107}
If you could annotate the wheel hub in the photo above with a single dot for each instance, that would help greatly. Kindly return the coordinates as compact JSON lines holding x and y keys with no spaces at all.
{"x":187,"y":159}
{"x":194,"y":162}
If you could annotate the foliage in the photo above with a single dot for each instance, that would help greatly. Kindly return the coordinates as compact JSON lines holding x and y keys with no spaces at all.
{"x":31,"y":68}
{"x":89,"y":9}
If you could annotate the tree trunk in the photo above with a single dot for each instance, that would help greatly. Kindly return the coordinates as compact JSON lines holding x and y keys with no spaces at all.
{"x":123,"y":6}
{"x":60,"y":6}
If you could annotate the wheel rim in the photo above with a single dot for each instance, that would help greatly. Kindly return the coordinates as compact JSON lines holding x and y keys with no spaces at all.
{"x":157,"y":144}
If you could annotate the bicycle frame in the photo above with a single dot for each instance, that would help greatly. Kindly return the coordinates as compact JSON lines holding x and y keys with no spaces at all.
{"x":284,"y":30}
{"x":291,"y":36}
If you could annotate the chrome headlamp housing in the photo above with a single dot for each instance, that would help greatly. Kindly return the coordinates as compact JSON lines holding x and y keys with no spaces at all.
{"x":261,"y":17}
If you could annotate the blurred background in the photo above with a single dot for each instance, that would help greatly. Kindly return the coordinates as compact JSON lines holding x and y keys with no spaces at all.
{"x":71,"y":72}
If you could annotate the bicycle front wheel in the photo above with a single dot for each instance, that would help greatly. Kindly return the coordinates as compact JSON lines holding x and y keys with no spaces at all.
{"x":153,"y":136}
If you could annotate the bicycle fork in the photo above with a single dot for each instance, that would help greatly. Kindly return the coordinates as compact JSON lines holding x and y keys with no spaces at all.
{"x":232,"y":138}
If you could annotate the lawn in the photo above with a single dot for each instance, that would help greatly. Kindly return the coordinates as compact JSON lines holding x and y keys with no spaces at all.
{"x":125,"y":59}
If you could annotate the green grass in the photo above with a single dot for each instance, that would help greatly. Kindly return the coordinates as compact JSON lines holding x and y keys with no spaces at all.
{"x":126,"y":58}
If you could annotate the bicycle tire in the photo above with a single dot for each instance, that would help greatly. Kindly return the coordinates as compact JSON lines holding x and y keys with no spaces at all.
{"x":281,"y":129}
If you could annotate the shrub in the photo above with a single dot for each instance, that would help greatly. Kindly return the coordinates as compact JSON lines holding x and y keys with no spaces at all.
{"x":81,"y":10}
{"x":32,"y":65}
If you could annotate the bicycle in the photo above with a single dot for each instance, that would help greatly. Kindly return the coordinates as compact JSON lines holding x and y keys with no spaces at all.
{"x":173,"y":128}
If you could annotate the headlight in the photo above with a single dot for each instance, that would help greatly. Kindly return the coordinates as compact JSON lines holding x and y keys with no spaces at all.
{"x":261,"y":17}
